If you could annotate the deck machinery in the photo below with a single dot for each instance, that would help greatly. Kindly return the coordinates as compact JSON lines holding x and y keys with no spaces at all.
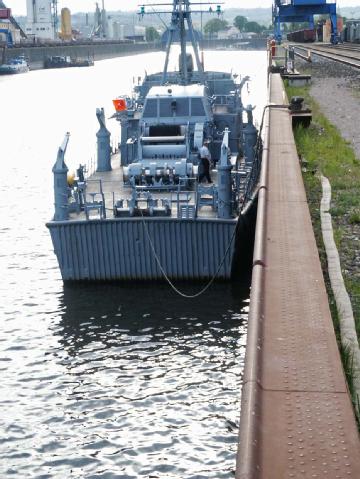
{"x":292,"y":11}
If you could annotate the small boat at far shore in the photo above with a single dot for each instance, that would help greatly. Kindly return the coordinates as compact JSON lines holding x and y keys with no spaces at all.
{"x":66,"y":61}
{"x":14,"y":65}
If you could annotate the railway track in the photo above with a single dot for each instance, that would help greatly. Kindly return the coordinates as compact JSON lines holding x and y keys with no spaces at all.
{"x":349,"y":46}
{"x":345,"y":54}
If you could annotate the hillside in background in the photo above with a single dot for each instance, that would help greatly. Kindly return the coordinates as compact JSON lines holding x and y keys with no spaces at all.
{"x":259,"y":15}
{"x":349,"y":12}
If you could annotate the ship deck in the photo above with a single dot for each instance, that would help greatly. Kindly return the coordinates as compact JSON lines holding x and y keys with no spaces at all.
{"x":113,"y":189}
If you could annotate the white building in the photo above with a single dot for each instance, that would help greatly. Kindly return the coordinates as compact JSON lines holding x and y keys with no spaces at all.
{"x":229,"y":33}
{"x":40,"y":22}
{"x":123,"y":32}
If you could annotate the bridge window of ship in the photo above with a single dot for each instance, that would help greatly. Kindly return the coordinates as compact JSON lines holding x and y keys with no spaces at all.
{"x":197,"y":107}
{"x":171,"y":106}
{"x":151,"y":108}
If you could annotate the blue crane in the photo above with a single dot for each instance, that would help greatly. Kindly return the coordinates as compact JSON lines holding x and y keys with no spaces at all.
{"x":8,"y":35}
{"x":13,"y":21}
{"x":292,"y":11}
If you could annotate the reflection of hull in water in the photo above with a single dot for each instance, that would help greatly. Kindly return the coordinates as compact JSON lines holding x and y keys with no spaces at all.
{"x":112,"y":304}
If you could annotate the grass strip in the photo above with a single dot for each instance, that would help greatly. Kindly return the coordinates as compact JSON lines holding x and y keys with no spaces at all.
{"x":322,"y":149}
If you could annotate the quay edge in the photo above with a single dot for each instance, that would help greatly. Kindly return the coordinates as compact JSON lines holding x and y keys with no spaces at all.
{"x":296,"y":413}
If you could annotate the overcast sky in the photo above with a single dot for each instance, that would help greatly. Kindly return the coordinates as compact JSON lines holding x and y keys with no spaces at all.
{"x":19,"y":6}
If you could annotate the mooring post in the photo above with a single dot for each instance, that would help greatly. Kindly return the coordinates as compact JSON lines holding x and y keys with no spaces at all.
{"x":250,"y":136}
{"x":60,"y":171}
{"x":224,"y":180}
{"x":103,"y":143}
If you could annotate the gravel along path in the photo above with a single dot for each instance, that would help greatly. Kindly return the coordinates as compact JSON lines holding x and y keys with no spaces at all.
{"x":336,"y":88}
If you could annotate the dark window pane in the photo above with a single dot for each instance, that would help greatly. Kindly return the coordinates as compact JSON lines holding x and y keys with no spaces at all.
{"x":197,"y":107}
{"x":150,"y":109}
{"x":170,"y":105}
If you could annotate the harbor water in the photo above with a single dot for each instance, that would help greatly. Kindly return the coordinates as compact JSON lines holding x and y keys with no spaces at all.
{"x":111,"y":380}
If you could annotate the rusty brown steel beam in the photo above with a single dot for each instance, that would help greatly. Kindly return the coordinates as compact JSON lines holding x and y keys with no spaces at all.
{"x":296,"y":414}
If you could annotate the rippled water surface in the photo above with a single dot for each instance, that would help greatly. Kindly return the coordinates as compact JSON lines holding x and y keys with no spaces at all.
{"x":104,"y":381}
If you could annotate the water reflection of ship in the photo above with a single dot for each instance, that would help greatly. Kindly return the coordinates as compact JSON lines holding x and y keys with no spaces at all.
{"x":165,"y":222}
{"x":101,"y":313}
{"x":151,"y":377}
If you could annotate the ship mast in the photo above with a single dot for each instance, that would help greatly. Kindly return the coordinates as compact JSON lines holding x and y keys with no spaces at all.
{"x":180,"y":19}
{"x":183,"y":72}
{"x":181,"y":12}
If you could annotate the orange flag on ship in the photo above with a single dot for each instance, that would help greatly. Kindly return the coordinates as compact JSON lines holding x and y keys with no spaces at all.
{"x":119,"y":104}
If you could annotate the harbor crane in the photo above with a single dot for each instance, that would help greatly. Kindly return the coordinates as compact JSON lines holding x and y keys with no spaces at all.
{"x":286,"y":11}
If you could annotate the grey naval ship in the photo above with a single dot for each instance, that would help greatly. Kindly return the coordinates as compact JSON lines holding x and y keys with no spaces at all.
{"x":144,"y":214}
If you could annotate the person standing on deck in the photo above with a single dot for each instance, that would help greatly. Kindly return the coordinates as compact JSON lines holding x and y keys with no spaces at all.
{"x":205,"y":160}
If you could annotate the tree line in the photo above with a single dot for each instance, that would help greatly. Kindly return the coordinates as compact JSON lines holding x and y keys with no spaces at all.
{"x":241,"y":23}
{"x":215,"y":25}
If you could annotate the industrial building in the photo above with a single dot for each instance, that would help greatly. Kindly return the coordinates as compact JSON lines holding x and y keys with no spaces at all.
{"x":66,"y":29}
{"x":41,"y":20}
{"x":127,"y":32}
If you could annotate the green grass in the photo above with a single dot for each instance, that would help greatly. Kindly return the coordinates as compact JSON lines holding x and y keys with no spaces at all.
{"x":347,"y":361}
{"x":326,"y":152}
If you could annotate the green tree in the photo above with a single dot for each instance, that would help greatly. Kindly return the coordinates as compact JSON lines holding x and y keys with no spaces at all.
{"x":240,"y":22}
{"x":215,"y":25}
{"x":254,"y":27}
{"x":151,"y":34}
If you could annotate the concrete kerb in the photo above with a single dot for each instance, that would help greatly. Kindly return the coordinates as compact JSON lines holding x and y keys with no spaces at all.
{"x":343,"y":304}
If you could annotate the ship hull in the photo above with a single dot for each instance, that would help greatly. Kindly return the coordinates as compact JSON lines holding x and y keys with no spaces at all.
{"x":126,"y":248}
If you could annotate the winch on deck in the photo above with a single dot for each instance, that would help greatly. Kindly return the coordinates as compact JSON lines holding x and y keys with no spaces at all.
{"x":162,"y":157}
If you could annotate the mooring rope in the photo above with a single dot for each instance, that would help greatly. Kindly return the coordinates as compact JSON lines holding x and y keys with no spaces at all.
{"x":166,"y":277}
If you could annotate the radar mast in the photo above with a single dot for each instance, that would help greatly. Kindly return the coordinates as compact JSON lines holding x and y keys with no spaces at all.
{"x":180,"y":18}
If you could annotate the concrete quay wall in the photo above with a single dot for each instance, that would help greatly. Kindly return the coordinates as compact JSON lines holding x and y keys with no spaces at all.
{"x":96,"y":51}
{"x":36,"y":54}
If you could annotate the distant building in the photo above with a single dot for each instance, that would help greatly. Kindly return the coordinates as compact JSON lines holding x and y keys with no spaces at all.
{"x":231,"y":33}
{"x":8,"y":26}
{"x":40,"y":21}
{"x":127,"y":32}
